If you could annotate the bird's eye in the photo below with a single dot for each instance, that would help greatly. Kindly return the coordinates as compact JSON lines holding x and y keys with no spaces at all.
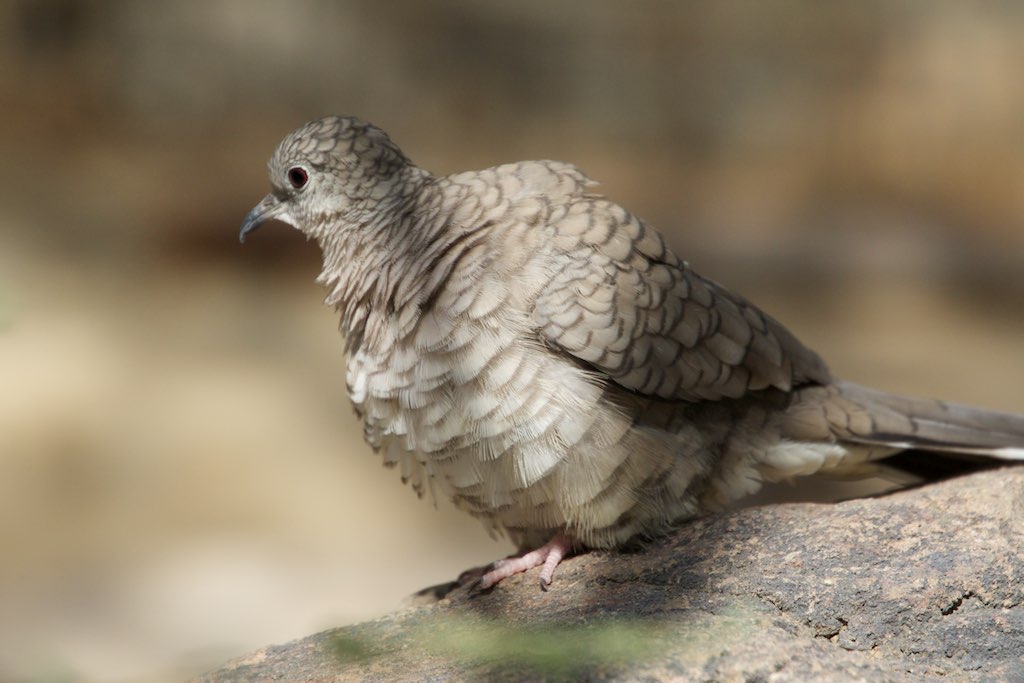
{"x":298,"y":177}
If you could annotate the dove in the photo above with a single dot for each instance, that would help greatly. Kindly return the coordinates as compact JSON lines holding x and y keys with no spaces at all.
{"x":540,"y":356}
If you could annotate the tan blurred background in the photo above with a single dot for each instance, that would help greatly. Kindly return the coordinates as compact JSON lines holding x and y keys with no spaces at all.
{"x":181,"y":478}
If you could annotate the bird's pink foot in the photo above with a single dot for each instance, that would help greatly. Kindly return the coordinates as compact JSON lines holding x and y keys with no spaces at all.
{"x":547,"y":557}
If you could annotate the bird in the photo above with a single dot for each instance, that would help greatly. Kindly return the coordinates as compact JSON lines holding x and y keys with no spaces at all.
{"x":538,"y":354}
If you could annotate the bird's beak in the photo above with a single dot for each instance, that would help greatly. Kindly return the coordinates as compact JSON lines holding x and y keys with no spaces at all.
{"x":270,"y":207}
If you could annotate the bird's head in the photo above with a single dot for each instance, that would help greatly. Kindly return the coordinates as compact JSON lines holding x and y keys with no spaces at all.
{"x":329,"y":175}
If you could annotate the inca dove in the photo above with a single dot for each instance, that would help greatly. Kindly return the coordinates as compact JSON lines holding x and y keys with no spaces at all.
{"x":538,"y":354}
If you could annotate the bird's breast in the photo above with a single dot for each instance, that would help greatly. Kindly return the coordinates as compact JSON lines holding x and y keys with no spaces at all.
{"x":479,"y":412}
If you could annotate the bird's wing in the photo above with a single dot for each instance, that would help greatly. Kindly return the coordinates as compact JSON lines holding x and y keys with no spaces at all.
{"x":623,"y":303}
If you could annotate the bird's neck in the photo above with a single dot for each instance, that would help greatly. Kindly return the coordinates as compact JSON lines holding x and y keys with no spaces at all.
{"x":380,"y":266}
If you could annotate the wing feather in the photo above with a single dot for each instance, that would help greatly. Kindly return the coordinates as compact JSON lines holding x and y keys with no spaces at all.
{"x":622,"y":302}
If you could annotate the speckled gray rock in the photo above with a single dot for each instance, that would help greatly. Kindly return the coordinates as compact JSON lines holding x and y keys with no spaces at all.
{"x":918,"y":585}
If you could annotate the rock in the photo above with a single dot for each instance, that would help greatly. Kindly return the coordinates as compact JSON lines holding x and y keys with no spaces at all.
{"x":921,"y":584}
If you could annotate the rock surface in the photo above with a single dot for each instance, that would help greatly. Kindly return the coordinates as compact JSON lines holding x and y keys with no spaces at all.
{"x":921,"y":584}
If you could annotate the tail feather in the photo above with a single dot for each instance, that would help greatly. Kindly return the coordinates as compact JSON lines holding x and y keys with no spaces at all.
{"x":931,"y":425}
{"x":849,"y":413}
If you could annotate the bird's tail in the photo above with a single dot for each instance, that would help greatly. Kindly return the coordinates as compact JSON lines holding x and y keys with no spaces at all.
{"x":907,"y":432}
{"x":930,"y":425}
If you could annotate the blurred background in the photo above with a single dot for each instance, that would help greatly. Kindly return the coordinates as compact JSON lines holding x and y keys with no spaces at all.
{"x":181,"y":477}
